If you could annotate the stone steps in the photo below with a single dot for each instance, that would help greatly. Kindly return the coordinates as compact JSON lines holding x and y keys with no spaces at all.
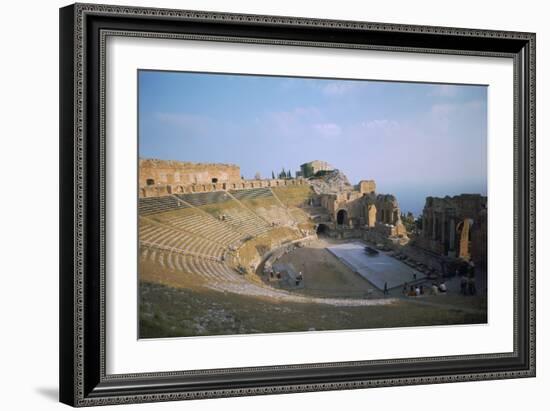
{"x":152,"y":205}
{"x":201,"y":224}
{"x":166,"y":238}
{"x":251,"y":194}
{"x":200,"y":199}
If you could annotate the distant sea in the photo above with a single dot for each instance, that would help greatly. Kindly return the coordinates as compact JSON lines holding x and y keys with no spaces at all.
{"x":412,"y":199}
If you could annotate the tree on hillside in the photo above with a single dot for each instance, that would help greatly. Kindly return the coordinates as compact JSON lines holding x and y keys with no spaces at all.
{"x":409,"y":222}
{"x":273,"y":175}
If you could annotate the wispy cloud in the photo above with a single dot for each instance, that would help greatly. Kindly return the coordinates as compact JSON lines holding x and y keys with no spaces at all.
{"x":291,"y":122}
{"x":381,"y":124}
{"x":300,"y":122}
{"x":328,"y":129}
{"x":185,"y":121}
{"x":375,"y":129}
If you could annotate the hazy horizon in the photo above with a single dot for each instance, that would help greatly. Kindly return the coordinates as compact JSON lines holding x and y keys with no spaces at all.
{"x":414,"y":139}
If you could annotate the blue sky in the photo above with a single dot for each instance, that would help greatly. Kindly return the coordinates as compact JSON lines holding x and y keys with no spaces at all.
{"x":414,"y":139}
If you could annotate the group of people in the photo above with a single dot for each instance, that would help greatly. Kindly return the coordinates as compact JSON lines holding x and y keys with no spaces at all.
{"x":413,"y":291}
{"x":273,"y":274}
{"x":467,"y":283}
{"x":277,"y":274}
{"x":418,"y":290}
{"x":439,"y":289}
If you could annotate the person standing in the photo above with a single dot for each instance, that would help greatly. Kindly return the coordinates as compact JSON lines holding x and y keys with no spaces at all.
{"x":386,"y":288}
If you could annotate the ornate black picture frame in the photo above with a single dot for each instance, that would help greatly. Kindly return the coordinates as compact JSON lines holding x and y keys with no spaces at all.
{"x":83,"y":30}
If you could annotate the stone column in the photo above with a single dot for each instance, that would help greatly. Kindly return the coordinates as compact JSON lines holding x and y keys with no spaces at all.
{"x":434,"y":220}
{"x":464,"y":251}
{"x":442,"y":240}
{"x":452,"y":234}
{"x":426,"y":225}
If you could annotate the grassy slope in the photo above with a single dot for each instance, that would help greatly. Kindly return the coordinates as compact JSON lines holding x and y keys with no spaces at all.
{"x":293,"y":196}
{"x":171,"y":312}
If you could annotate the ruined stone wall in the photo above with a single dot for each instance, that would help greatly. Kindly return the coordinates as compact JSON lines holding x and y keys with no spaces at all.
{"x":329,"y":202}
{"x":167,"y":172}
{"x":370,"y":215}
{"x":355,"y":206}
{"x":387,"y":209}
{"x":443,"y":220}
{"x":311,"y":168}
{"x":479,"y":241}
{"x":378,"y":212}
{"x":167,"y":189}
{"x":350,"y":201}
{"x":164,"y":177}
{"x":367,"y":186}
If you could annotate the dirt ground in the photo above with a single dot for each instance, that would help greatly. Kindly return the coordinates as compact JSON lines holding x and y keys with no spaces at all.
{"x":325,"y":275}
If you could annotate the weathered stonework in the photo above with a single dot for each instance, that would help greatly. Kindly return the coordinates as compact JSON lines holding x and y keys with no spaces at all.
{"x":164,"y":177}
{"x":365,"y":209}
{"x":479,"y":241}
{"x":167,"y":189}
{"x":456,"y":227}
{"x":168,"y":172}
{"x":367,"y":186}
{"x":313,"y":167}
{"x":371,"y":215}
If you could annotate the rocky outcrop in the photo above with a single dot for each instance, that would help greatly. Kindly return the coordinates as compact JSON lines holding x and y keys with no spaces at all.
{"x":330,"y":182}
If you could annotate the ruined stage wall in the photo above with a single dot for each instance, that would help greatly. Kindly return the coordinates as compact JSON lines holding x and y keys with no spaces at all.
{"x":167,"y":189}
{"x":161,"y":172}
{"x":444,"y":219}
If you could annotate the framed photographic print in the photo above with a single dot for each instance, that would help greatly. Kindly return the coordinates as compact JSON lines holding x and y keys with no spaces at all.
{"x":262,"y":204}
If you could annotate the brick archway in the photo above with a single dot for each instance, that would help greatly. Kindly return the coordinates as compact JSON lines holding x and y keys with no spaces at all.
{"x":341,"y":217}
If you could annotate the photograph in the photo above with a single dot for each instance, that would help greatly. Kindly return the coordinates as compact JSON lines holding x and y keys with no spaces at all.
{"x":283,"y":204}
{"x":288,"y":200}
